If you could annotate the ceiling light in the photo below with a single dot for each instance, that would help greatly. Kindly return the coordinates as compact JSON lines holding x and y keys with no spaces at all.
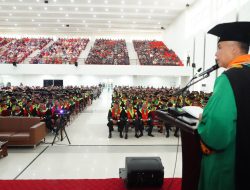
{"x":14,"y":7}
{"x":6,"y":19}
{"x":159,"y":22}
{"x":63,"y":25}
{"x":10,"y":14}
{"x":136,"y":10}
{"x":56,"y":29}
{"x":166,"y":11}
{"x":32,"y":20}
{"x":45,"y":8}
{"x":76,"y":9}
{"x":21,"y":0}
{"x":58,"y":20}
{"x":151,"y":10}
{"x":91,"y":9}
{"x":106,"y":1}
{"x":83,"y":21}
{"x":149,"y":17}
{"x":122,"y":10}
{"x":60,"y":8}
{"x":109,"y":21}
{"x":94,"y":16}
{"x":156,"y":3}
{"x":89,"y":1}
{"x":38,"y":14}
{"x":30,"y":8}
{"x":54,"y":0}
{"x":37,"y":0}
{"x":122,"y":16}
{"x":139,"y":3}
{"x":134,"y":22}
{"x":122,"y":2}
{"x":106,"y":9}
{"x":15,"y":24}
{"x":67,"y":15}
{"x":72,"y":1}
{"x":39,"y":24}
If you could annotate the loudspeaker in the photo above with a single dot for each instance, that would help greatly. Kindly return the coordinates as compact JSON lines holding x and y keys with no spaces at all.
{"x":76,"y":63}
{"x":142,"y":172}
{"x":14,"y":64}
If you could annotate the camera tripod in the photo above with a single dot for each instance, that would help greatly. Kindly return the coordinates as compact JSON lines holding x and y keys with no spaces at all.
{"x":61,"y":128}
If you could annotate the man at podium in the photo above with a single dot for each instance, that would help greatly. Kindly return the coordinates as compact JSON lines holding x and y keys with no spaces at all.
{"x":224,"y":127}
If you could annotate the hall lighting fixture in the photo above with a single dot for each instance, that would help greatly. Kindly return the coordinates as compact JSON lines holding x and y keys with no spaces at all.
{"x":106,"y":2}
{"x":151,"y":10}
{"x":14,"y":7}
{"x":37,"y":0}
{"x":54,"y":0}
{"x":72,"y":1}
{"x":94,"y":16}
{"x":121,"y":10}
{"x":122,"y":16}
{"x":106,"y":9}
{"x":156,"y":2}
{"x":21,"y":0}
{"x":60,"y":8}
{"x":91,"y":9}
{"x":45,"y":8}
{"x":89,"y":1}
{"x":10,"y":14}
{"x":30,"y":8}
{"x":66,"y":15}
{"x":76,"y":9}
{"x":139,"y":3}
{"x":6,"y":19}
{"x":38,"y":14}
{"x":123,"y":2}
{"x":136,"y":10}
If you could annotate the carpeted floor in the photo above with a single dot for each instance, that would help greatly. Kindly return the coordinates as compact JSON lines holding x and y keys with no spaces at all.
{"x":79,"y":184}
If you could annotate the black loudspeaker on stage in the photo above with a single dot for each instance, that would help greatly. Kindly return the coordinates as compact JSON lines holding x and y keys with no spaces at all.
{"x":142,"y":172}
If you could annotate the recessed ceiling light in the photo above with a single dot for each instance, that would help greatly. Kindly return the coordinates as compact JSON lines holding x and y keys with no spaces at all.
{"x":94,"y":16}
{"x":30,"y":8}
{"x":106,"y":9}
{"x":67,"y":15}
{"x":32,"y":20}
{"x":10,"y":14}
{"x":166,"y":11}
{"x":38,"y":14}
{"x":60,"y":8}
{"x":121,"y":10}
{"x":72,"y":1}
{"x":83,"y":21}
{"x":63,"y":25}
{"x":134,"y":22}
{"x":139,"y":3}
{"x":91,"y":9}
{"x":122,"y":16}
{"x":58,"y":20}
{"x":156,"y":2}
{"x":109,"y":21}
{"x":14,"y":7}
{"x":21,"y":0}
{"x":149,"y":17}
{"x":45,"y":8}
{"x":136,"y":10}
{"x":151,"y":10}
{"x":54,"y":0}
{"x":122,"y":2}
{"x":37,"y":0}
{"x":6,"y":19}
{"x":15,"y":24}
{"x":56,"y":29}
{"x":159,"y":22}
{"x":39,"y":24}
{"x":76,"y":9}
{"x":89,"y":1}
{"x":86,"y":25}
{"x":106,"y":2}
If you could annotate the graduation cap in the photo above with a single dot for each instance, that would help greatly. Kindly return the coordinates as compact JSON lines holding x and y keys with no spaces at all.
{"x":233,"y":31}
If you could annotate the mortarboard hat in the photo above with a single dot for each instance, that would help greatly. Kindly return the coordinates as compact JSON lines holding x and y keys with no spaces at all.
{"x":233,"y":31}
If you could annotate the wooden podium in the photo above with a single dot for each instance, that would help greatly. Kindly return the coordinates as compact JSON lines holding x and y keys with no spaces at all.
{"x":191,"y":153}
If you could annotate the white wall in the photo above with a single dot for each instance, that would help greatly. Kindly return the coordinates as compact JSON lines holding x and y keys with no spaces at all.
{"x":191,"y":27}
{"x":37,"y":80}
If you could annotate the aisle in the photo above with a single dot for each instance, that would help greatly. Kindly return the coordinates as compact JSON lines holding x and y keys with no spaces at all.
{"x":90,"y":128}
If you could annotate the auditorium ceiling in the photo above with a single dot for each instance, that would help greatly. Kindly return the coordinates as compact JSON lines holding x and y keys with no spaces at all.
{"x":76,"y":16}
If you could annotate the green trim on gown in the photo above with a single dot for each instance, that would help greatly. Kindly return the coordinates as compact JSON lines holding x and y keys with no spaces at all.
{"x":217,"y":130}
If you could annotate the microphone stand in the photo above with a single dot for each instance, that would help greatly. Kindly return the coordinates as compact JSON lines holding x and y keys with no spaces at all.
{"x":175,"y":111}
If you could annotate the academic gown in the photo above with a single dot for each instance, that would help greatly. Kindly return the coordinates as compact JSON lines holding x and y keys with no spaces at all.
{"x":217,"y":131}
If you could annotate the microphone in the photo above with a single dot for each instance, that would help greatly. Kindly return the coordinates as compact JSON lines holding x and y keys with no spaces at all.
{"x":208,"y":71}
{"x":195,"y":76}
